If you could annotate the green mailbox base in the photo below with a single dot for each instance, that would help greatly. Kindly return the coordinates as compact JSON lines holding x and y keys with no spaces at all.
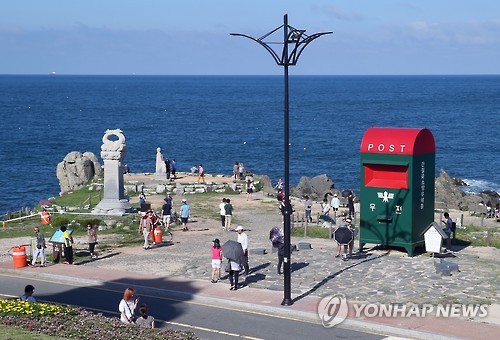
{"x":410,"y":247}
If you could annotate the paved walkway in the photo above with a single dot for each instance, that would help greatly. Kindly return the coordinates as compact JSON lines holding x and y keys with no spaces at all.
{"x":376,"y":276}
{"x":250,"y":298}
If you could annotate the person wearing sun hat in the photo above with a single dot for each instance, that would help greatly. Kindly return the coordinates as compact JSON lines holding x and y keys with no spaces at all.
{"x":348,"y":224}
{"x":185,"y":212}
{"x":243,"y":240}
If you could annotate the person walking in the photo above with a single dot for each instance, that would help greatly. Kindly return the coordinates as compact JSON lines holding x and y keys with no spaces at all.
{"x":243,"y":240}
{"x":350,"y":204}
{"x":279,"y":185}
{"x":325,"y":207}
{"x":142,"y":199}
{"x":234,"y":274}
{"x":276,"y":238}
{"x":250,"y":189}
{"x":281,"y":257}
{"x":145,"y":227}
{"x":228,"y":210}
{"x":166,"y":212}
{"x":235,"y":170}
{"x":168,"y":167}
{"x":222,"y":212}
{"x":145,"y":320}
{"x":39,"y":248}
{"x":68,"y":245}
{"x":92,"y":239}
{"x":308,"y":208}
{"x":335,"y":203}
{"x":127,"y":306}
{"x":352,"y":228}
{"x":216,"y":260}
{"x":341,"y":224}
{"x":173,"y":167}
{"x":201,"y":174}
{"x":448,"y":222}
{"x":241,"y":170}
{"x":28,"y":294}
{"x":185,"y":212}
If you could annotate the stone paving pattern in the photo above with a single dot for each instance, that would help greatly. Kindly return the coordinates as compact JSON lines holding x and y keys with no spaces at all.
{"x":381,"y":276}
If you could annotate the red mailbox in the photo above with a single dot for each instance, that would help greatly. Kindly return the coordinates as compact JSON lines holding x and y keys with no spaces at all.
{"x":397,"y":186}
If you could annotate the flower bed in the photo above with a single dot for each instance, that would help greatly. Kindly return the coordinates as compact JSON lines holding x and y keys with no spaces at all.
{"x":77,"y":323}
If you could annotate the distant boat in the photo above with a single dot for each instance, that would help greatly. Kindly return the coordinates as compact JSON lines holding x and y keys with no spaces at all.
{"x":53,"y":73}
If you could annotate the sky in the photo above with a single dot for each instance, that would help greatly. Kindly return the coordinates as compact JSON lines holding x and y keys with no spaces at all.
{"x":191,"y":37}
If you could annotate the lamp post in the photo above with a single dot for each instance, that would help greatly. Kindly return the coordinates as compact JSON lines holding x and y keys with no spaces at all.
{"x":298,"y":40}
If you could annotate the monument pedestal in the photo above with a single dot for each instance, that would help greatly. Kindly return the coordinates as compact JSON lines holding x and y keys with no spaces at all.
{"x":113,"y":207}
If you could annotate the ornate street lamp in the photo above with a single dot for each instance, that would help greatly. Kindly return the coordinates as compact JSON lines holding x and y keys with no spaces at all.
{"x":294,"y":42}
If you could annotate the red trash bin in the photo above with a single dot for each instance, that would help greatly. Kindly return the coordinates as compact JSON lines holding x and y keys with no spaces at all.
{"x":19,"y":256}
{"x":157,"y":235}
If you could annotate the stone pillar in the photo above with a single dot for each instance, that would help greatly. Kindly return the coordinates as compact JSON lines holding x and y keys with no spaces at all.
{"x":113,"y":152}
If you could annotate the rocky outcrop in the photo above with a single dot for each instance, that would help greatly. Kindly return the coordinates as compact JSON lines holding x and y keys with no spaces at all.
{"x":449,"y":195}
{"x":315,"y":187}
{"x":267,"y":186}
{"x":448,"y":192}
{"x":77,"y":169}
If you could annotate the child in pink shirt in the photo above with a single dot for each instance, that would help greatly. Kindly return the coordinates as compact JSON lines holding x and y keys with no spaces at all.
{"x":216,"y":260}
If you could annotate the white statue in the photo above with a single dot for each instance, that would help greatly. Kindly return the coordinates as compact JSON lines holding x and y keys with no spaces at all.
{"x":160,"y":162}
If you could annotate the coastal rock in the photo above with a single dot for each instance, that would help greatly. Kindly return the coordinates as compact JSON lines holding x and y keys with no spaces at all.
{"x":448,"y":193}
{"x":267,"y":185}
{"x":76,"y":170}
{"x":315,"y":187}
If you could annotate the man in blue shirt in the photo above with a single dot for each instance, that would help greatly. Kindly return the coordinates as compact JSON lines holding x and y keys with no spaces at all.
{"x":185,"y":212}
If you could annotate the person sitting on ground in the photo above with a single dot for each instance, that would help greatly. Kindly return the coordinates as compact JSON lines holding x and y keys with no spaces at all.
{"x":28,"y":294}
{"x":145,"y":320}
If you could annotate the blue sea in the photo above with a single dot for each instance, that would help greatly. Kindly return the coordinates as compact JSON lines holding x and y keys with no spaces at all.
{"x":218,"y":120}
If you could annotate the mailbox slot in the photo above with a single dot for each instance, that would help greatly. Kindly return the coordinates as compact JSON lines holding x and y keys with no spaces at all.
{"x":384,"y":219}
{"x":393,"y":176}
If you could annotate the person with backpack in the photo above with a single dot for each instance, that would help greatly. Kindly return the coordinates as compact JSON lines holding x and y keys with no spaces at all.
{"x":450,"y":227}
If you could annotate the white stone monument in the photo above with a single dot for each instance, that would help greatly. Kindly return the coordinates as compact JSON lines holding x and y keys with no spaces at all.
{"x":161,"y":168}
{"x":113,"y":152}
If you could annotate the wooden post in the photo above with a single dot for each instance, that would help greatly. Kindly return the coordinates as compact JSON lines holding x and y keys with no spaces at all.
{"x":305,"y":229}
